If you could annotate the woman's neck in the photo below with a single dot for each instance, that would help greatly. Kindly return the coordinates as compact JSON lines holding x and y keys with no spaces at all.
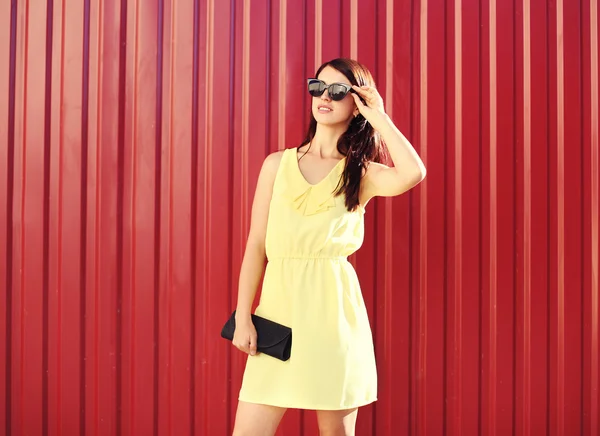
{"x":325,"y":141}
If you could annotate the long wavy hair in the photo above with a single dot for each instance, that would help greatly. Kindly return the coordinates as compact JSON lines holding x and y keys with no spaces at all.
{"x":361,"y":144}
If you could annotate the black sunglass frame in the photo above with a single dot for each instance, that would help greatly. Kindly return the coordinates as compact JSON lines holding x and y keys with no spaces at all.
{"x":325,"y":87}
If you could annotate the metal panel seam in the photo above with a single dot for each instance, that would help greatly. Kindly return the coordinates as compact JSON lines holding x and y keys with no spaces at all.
{"x":526,"y":171}
{"x":422,"y":362}
{"x":10,"y":187}
{"x":560,"y":231}
{"x":493,"y":210}
{"x":595,"y":174}
{"x":458,"y":285}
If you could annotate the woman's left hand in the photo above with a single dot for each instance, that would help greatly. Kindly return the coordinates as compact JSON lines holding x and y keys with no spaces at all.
{"x":373,"y":111}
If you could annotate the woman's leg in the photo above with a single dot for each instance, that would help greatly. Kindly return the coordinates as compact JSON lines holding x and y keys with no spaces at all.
{"x":257,"y":419}
{"x":337,"y":422}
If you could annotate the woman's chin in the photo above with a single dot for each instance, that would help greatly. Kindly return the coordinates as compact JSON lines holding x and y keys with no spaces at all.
{"x":328,"y":120}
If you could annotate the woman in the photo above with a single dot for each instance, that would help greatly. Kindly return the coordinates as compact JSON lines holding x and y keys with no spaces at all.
{"x":307,"y":217}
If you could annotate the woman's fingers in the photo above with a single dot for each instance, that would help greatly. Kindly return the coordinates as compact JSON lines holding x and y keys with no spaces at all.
{"x":252,"y":349}
{"x":363,"y":92}
{"x":358,"y":101}
{"x":244,"y":347}
{"x":369,"y":94}
{"x":248,"y":346}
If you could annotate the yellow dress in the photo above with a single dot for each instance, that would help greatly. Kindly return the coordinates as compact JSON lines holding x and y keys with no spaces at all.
{"x":310,"y":286}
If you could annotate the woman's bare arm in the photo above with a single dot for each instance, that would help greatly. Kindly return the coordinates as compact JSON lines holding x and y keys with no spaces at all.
{"x":408,"y":169}
{"x":253,"y":263}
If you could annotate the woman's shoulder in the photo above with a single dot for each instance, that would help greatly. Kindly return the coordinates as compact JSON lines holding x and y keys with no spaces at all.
{"x":275,"y":157}
{"x":273,"y":161}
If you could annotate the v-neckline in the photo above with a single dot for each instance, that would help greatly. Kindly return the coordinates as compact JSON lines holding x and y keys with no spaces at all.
{"x":320,"y":181}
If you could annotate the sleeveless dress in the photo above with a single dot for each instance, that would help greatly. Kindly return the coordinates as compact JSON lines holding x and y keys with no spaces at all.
{"x":310,"y":286}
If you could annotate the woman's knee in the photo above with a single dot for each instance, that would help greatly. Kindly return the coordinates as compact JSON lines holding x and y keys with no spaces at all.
{"x":339,"y":430}
{"x":257,"y":419}
{"x":337,"y":423}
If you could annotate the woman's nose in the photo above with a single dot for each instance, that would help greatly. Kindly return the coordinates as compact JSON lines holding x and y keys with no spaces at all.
{"x":325,"y":95}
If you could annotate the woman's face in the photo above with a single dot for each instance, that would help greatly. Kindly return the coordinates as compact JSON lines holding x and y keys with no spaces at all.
{"x":329,"y":112}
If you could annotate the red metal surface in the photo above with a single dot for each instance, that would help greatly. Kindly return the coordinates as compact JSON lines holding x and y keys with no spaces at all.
{"x":132,"y":133}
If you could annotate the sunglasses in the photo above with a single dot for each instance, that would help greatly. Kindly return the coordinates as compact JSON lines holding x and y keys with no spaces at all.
{"x":336,"y":91}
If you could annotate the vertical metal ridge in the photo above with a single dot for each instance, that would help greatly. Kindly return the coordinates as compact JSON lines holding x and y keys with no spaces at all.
{"x":21,"y":236}
{"x":164,"y":253}
{"x":548,"y":259}
{"x":245,"y":200}
{"x":354,"y":29}
{"x":458,"y":285}
{"x":304,"y":111}
{"x":493,"y":211}
{"x":526,"y":171}
{"x":413,"y":117}
{"x":84,"y":215}
{"x":387,"y":289}
{"x":46,"y":213}
{"x":583,"y":294}
{"x":515,"y":220}
{"x":230,"y":187}
{"x":422,"y":330}
{"x":388,"y":259}
{"x":594,"y":220}
{"x":120,"y":212}
{"x":169,"y":203}
{"x":158,"y":162}
{"x":341,"y":18}
{"x":245,"y":149}
{"x":282,"y":75}
{"x":133,"y":216}
{"x":560,"y":218}
{"x":268,"y":71}
{"x":207,"y":200}
{"x":389,"y":53}
{"x":389,"y":88}
{"x":480,"y":221}
{"x":318,"y":33}
{"x":10,"y":186}
{"x":60,"y":227}
{"x":97,"y":221}
{"x":194,"y":211}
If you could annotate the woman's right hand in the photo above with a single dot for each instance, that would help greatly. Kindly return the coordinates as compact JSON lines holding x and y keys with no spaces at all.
{"x":244,"y":336}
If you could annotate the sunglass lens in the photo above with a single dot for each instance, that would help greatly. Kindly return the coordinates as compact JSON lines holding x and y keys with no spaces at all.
{"x":316,"y":88}
{"x":337,"y":92}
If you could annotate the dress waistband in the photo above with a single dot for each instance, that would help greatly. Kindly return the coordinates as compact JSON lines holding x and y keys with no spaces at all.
{"x":307,"y":257}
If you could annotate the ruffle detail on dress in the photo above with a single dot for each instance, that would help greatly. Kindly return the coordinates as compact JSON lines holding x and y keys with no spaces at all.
{"x":315,"y":199}
{"x":306,"y":198}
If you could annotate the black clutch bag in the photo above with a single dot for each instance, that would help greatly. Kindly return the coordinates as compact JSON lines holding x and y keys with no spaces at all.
{"x":273,"y":339}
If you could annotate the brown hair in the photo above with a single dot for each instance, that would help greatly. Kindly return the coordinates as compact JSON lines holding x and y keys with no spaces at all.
{"x":360,"y":144}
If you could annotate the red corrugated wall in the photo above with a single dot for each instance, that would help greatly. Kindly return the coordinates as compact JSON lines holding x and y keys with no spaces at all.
{"x":132,"y":133}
